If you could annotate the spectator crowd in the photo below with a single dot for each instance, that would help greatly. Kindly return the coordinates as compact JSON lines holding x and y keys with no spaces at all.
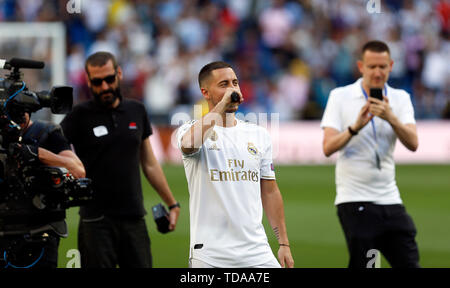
{"x":288,"y":54}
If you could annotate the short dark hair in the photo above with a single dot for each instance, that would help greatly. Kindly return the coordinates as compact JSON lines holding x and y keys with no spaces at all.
{"x":375,"y":46}
{"x":100,"y":59}
{"x":205,"y":72}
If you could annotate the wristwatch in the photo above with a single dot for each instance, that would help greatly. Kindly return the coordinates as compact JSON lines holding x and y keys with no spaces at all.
{"x":352,"y":131}
{"x":174,"y":206}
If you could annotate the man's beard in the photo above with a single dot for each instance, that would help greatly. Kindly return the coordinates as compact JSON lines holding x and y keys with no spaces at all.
{"x":107,"y":100}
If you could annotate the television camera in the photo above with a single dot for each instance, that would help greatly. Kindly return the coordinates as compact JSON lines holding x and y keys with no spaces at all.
{"x":23,"y":179}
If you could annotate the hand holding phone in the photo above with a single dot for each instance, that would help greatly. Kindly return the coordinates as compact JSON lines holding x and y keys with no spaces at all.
{"x":376,"y":93}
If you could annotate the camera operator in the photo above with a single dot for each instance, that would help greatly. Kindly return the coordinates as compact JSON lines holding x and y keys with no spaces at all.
{"x":43,"y":143}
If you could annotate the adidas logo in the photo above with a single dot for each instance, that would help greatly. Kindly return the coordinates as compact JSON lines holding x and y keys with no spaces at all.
{"x":214,"y":147}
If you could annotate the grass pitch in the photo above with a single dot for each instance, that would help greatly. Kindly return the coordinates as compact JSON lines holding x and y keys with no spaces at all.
{"x":314,"y":231}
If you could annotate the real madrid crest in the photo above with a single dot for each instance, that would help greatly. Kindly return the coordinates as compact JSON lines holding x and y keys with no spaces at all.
{"x":213,"y":136}
{"x":252,"y":148}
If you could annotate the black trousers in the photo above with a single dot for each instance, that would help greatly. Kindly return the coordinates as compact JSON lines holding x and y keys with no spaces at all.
{"x":387,"y":228}
{"x":108,"y":242}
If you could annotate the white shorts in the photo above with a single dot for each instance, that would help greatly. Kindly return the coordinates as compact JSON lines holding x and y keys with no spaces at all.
{"x":195,"y":263}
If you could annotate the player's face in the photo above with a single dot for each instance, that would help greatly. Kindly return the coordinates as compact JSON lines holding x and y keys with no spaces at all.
{"x":375,"y":68}
{"x":220,"y":81}
{"x":104,"y":82}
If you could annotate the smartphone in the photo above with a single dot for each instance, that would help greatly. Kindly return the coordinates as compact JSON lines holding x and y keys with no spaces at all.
{"x":376,"y":93}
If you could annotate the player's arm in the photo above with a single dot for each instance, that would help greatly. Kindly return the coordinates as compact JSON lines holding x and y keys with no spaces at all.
{"x":155,"y":176}
{"x":274,"y":209}
{"x":193,"y":139}
{"x":65,"y":158}
{"x":406,"y":133}
{"x":333,"y":140}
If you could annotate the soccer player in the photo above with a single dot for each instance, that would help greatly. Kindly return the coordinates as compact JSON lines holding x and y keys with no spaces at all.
{"x":364,"y":131}
{"x":228,"y":165}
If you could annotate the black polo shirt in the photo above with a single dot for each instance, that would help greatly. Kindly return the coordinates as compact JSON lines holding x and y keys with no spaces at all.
{"x":108,"y":142}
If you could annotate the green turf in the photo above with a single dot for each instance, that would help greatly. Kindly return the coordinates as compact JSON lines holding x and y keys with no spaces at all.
{"x":314,"y":232}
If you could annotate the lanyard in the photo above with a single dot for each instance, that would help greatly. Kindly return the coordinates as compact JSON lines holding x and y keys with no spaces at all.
{"x":371,"y":120}
{"x":377,"y":157}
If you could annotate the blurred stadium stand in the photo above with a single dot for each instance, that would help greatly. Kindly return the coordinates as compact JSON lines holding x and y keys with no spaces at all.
{"x":287,"y":54}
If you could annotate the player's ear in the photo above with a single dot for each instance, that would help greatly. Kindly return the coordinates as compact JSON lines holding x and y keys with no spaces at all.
{"x":205,"y":93}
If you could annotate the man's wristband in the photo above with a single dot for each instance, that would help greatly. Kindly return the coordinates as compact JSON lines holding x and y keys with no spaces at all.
{"x":287,"y":245}
{"x":352,"y":132}
{"x":174,"y":206}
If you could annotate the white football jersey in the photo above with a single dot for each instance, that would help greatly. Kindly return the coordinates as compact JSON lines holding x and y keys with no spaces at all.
{"x":225,"y":195}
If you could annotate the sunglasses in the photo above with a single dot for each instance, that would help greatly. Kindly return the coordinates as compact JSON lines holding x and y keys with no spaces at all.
{"x":108,"y":79}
